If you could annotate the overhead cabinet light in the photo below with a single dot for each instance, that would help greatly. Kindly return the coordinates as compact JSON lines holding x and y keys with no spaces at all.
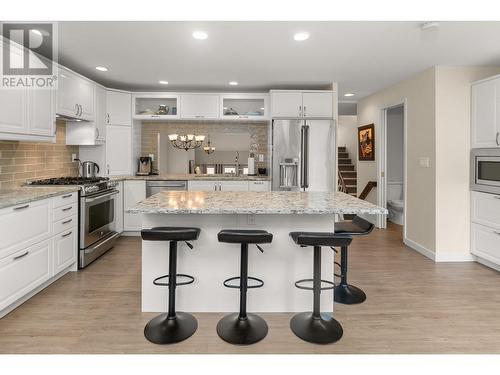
{"x":200,"y":35}
{"x":299,"y":37}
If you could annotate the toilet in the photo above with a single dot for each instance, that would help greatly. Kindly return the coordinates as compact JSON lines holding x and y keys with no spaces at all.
{"x":395,"y":202}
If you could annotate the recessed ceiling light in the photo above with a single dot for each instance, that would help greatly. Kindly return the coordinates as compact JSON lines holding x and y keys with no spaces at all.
{"x":349,"y":94}
{"x":101,"y":68}
{"x":163,"y":82}
{"x":233,"y":83}
{"x":200,"y":35}
{"x":299,"y":37}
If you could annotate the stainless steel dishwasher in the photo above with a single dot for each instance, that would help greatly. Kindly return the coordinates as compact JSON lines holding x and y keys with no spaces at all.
{"x":153,"y":187}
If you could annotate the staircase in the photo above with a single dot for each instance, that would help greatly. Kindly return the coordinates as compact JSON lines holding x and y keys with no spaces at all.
{"x":346,"y":171}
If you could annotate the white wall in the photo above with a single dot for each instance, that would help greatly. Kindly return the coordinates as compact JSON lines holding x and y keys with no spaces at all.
{"x":346,"y":136}
{"x":395,"y":144}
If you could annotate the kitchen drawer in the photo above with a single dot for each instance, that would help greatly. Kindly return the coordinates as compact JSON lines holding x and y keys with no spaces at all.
{"x":258,"y":186}
{"x":64,"y":224}
{"x":65,"y":249}
{"x":65,"y":199}
{"x":24,"y":225}
{"x":485,"y":243}
{"x":485,"y":209}
{"x":64,"y":212}
{"x":23,"y":271}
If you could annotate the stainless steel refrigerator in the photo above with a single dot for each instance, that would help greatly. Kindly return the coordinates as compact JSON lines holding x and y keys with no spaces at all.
{"x":303,"y":155}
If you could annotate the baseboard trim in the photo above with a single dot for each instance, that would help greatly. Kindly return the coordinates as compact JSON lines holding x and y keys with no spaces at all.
{"x":452,"y":256}
{"x":420,"y":249}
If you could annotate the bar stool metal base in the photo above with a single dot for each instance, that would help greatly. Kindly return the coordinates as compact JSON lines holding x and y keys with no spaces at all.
{"x":348,"y":294}
{"x":238,"y":331}
{"x":162,"y":330}
{"x":316,"y":330}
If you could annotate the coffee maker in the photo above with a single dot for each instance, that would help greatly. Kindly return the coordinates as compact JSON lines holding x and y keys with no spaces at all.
{"x":145,"y":166}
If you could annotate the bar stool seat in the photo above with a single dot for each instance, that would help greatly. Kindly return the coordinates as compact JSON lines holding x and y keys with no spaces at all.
{"x":344,"y":292}
{"x":313,"y":326}
{"x":243,"y":328}
{"x":173,"y":326}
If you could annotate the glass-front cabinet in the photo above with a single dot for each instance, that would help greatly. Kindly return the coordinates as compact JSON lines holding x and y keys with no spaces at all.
{"x":244,"y":106}
{"x":155,"y":106}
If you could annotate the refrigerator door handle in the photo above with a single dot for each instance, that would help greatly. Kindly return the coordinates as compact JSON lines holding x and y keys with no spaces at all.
{"x":306,"y":156}
{"x":302,"y":158}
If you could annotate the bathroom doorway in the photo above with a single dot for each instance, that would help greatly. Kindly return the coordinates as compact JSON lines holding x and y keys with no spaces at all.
{"x":392,"y":166}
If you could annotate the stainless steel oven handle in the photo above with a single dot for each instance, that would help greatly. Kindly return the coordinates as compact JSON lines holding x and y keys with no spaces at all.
{"x":93,"y":248}
{"x":113,"y":192}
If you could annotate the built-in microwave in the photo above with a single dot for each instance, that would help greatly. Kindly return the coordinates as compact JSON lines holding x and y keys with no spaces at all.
{"x":485,"y":170}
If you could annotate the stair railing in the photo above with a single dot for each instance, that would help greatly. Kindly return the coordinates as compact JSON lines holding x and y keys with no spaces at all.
{"x":342,"y":187}
{"x":369,"y":186}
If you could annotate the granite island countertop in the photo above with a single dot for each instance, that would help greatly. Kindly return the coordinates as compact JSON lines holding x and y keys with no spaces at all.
{"x":272,"y":202}
{"x":26,"y":194}
{"x":191,"y":177}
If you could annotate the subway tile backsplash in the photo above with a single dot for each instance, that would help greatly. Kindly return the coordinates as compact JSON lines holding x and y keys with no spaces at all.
{"x":21,"y":161}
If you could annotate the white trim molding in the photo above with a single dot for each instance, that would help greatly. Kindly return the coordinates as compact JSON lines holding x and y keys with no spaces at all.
{"x":453,"y":256}
{"x":420,"y":249}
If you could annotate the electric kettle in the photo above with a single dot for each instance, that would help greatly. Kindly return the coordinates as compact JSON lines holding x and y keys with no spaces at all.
{"x":89,"y":169}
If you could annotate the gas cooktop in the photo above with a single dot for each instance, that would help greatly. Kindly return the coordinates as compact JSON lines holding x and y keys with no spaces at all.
{"x":88,"y":185}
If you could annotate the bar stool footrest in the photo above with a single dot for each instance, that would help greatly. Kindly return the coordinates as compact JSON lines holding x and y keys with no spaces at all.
{"x":190,"y":280}
{"x":260,"y":283}
{"x":331,"y":284}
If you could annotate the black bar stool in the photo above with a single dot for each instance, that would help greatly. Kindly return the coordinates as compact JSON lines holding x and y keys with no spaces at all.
{"x":313,"y":326}
{"x":174,"y":326}
{"x":344,"y":292}
{"x":243,"y":328}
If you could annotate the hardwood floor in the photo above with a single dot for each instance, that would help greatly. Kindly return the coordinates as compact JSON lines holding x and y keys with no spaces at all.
{"x":414,"y":306}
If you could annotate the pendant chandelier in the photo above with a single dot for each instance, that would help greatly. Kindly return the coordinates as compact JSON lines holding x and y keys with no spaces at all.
{"x":209,"y":149}
{"x":186,"y":142}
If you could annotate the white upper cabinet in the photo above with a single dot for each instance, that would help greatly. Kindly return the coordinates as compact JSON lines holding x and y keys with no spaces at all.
{"x":301,"y":104}
{"x":118,"y":150}
{"x":75,"y":96}
{"x":119,"y":108}
{"x":155,"y":106}
{"x":200,"y":106}
{"x":317,"y":104}
{"x":286,"y":104}
{"x":244,"y":106}
{"x":100,"y":113}
{"x":42,"y":112}
{"x":13,"y":114}
{"x":485,"y":113}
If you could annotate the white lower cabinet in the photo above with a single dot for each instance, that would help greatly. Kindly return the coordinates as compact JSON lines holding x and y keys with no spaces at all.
{"x":65,"y":245}
{"x":233,"y":186}
{"x":133,"y":192}
{"x":485,"y":243}
{"x":23,"y":271}
{"x":228,"y":186}
{"x":119,"y":208}
{"x":259,"y":186}
{"x":202,"y":185}
{"x":485,"y":227}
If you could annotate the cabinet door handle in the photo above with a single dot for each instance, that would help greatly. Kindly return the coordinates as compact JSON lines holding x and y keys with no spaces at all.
{"x":21,"y":207}
{"x":107,"y":118}
{"x":80,"y":110}
{"x":496,"y":138}
{"x":67,"y":234}
{"x":67,"y":196}
{"x":67,"y":221}
{"x":67,"y":209}
{"x":304,"y":111}
{"x":300,"y":110}
{"x":21,"y":256}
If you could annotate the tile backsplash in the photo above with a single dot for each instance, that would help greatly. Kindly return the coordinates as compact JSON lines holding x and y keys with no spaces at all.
{"x":259,"y":134}
{"x":21,"y":161}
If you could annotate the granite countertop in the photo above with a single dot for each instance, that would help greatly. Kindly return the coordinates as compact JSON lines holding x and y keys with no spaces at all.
{"x":26,"y":194}
{"x":272,"y":202}
{"x":187,"y":177}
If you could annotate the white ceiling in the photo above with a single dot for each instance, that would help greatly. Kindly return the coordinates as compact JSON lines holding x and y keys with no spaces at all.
{"x":363,"y":57}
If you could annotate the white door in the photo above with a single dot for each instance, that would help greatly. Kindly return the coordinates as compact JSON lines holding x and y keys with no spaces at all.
{"x":119,"y":108}
{"x":202,"y":185}
{"x":100,"y":113}
{"x":484,"y":114}
{"x":42,"y":112}
{"x":317,"y":104}
{"x":118,"y":150}
{"x":234,"y":186}
{"x":65,"y":249}
{"x":286,"y":104}
{"x":133,"y":192}
{"x":13,"y":114}
{"x":199,"y":106}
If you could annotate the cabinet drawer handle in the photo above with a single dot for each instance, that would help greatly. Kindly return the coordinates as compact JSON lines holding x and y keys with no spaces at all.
{"x":21,"y":207}
{"x":200,"y":116}
{"x":67,"y":196}
{"x":258,"y":183}
{"x":67,"y":221}
{"x":66,"y":235}
{"x":496,"y":139}
{"x":67,"y":208}
{"x":21,"y":256}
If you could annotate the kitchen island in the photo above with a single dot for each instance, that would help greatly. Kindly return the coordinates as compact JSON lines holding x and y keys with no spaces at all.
{"x":210,"y":262}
